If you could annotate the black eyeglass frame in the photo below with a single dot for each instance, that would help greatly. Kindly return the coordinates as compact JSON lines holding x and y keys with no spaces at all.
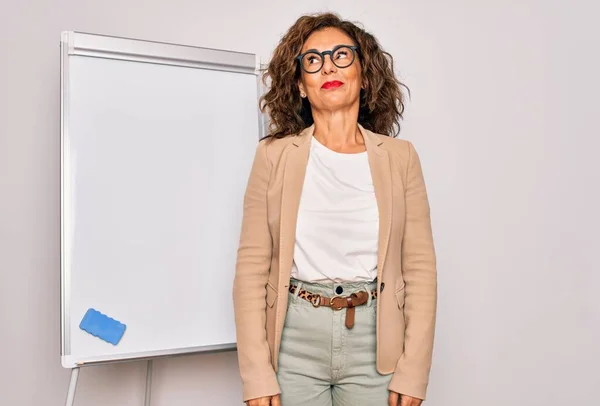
{"x":355,"y":49}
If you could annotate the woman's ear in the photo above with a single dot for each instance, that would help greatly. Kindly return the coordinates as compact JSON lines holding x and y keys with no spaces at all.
{"x":301,"y":88}
{"x":364,"y":84}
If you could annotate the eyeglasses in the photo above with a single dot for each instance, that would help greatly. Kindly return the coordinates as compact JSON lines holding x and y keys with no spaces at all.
{"x":342,"y":56}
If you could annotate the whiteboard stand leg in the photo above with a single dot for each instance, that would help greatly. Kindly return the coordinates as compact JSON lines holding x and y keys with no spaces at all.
{"x":72,"y":387}
{"x":148,"y":383}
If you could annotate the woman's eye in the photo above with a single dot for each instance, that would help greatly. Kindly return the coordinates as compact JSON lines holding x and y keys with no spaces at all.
{"x":342,"y":54}
{"x":313,"y":59}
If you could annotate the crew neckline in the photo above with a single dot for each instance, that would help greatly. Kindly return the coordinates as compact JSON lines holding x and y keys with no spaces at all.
{"x":328,"y":150}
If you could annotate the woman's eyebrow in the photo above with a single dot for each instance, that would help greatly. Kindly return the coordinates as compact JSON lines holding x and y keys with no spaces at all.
{"x":316,"y":50}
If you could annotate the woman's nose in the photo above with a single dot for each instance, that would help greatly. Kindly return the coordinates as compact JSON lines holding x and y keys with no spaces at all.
{"x":328,"y":65}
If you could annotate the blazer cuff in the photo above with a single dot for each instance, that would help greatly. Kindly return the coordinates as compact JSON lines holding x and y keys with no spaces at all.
{"x":267,"y":386}
{"x":403,"y":385}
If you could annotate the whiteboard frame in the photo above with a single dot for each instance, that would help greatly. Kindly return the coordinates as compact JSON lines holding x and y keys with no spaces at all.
{"x":133,"y":50}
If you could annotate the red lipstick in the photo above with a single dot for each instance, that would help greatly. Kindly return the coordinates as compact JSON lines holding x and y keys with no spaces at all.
{"x":334,"y":84}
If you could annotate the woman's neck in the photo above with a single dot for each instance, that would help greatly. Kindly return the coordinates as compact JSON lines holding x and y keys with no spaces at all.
{"x":338,"y":132}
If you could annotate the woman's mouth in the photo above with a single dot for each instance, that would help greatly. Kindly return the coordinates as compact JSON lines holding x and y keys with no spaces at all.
{"x":334,"y":84}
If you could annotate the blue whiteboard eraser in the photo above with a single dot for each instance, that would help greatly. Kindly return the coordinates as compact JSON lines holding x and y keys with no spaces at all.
{"x":102,"y":326}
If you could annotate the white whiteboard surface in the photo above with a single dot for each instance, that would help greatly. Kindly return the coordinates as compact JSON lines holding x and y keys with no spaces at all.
{"x":155,"y":160}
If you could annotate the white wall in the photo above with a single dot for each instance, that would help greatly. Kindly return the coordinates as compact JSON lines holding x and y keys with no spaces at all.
{"x":504,"y":114}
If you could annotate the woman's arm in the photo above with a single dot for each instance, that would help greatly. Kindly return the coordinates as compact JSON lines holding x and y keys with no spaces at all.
{"x":249,"y":289}
{"x":419,"y":272}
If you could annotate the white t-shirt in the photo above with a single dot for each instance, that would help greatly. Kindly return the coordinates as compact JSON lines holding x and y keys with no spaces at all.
{"x":338,"y":219}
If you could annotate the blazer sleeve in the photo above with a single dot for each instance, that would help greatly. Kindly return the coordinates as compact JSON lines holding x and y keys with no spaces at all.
{"x":411,"y":375}
{"x":249,"y":287}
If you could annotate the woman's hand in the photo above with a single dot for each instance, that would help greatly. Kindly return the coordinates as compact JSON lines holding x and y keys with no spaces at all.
{"x":396,"y":399}
{"x":266,"y":401}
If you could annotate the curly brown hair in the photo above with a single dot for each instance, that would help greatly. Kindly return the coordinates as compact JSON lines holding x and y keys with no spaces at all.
{"x":381,"y":102}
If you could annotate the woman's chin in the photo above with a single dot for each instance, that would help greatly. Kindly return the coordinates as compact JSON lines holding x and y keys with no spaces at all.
{"x":341,"y":104}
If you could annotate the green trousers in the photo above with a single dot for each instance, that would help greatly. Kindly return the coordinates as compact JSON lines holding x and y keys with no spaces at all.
{"x":323,"y":363}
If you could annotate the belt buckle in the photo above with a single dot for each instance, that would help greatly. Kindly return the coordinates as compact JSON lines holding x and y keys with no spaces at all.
{"x":331,"y":303}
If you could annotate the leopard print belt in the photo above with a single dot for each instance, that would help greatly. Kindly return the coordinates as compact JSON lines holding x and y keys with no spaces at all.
{"x":337,"y":302}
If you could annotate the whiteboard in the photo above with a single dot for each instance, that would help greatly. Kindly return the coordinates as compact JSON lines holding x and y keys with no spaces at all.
{"x":157,"y":144}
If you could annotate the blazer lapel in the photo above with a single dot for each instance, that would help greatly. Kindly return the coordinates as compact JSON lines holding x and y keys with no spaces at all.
{"x":293,"y":181}
{"x":379,"y":163}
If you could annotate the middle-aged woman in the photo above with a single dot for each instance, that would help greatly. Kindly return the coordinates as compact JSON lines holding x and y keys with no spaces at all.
{"x":335,"y":289}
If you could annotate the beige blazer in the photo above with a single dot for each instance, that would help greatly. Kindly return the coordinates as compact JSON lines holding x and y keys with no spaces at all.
{"x":406,"y":267}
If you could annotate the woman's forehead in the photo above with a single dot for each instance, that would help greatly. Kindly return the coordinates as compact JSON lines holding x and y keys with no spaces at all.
{"x":325,"y":39}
